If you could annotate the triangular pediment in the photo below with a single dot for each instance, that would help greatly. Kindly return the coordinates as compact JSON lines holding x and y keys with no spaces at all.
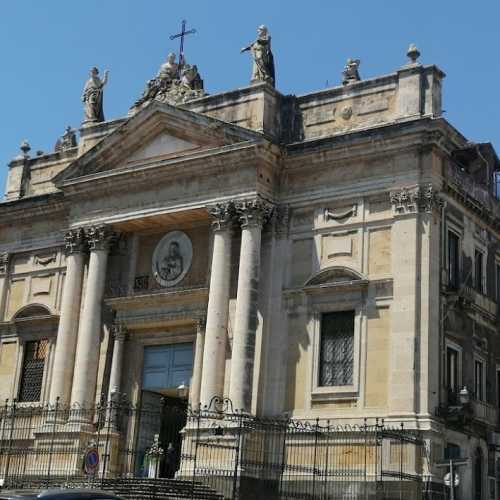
{"x":163,"y":144}
{"x":158,"y":131}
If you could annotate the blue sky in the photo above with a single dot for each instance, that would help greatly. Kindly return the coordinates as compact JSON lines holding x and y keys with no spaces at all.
{"x":48,"y":46}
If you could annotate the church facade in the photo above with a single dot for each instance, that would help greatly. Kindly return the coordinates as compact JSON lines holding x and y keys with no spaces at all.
{"x":333,"y":255}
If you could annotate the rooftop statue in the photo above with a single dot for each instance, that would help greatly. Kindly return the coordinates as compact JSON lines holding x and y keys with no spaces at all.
{"x":175,"y":83}
{"x":351,"y":73}
{"x":66,"y":141}
{"x":263,"y":60}
{"x":92,"y":97}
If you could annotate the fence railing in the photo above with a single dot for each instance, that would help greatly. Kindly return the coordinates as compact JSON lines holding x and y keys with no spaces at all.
{"x":237,"y":455}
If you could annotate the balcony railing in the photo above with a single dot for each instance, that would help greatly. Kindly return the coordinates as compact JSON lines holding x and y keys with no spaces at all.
{"x":462,"y":182}
{"x":459,"y":411}
{"x":146,"y":285}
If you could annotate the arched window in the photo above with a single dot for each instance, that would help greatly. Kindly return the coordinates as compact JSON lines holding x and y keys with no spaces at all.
{"x":35,"y":351}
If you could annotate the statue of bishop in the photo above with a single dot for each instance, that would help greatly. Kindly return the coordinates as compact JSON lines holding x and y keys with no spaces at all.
{"x":92,"y":97}
{"x":263,"y":60}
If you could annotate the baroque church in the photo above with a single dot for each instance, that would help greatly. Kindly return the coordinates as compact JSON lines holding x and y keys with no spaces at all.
{"x":333,"y":256}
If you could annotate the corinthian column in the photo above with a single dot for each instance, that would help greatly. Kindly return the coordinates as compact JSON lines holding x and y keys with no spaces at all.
{"x":214,"y":353}
{"x":64,"y":356}
{"x":252,"y":215}
{"x":87,"y":354}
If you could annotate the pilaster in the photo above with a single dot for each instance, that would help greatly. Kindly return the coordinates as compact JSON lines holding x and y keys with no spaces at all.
{"x":4,"y":282}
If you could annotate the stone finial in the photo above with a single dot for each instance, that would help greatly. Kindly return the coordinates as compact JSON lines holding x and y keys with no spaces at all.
{"x":25,"y":148}
{"x":350,"y":74}
{"x":413,"y":53}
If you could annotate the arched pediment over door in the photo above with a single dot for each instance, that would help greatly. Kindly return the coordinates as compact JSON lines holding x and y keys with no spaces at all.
{"x":32,"y":311}
{"x":336,"y":277}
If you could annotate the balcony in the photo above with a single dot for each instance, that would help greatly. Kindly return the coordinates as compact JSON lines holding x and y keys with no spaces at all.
{"x":464,"y":409}
{"x":147,"y":285}
{"x":473,"y":194}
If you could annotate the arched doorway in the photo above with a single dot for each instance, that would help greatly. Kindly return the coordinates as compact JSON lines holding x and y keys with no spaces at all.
{"x":478,"y":474}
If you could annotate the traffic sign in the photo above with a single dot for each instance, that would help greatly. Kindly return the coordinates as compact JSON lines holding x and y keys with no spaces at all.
{"x":91,"y":461}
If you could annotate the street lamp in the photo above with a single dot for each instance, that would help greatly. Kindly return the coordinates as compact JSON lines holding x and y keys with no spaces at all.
{"x":182,"y":391}
{"x":464,"y":396}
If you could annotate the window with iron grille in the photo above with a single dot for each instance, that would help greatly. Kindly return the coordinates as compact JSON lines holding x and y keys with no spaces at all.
{"x":35,"y":352}
{"x":336,"y":363}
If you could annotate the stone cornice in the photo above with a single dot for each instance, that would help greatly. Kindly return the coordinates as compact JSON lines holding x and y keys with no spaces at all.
{"x":378,"y":140}
{"x":32,"y":207}
{"x":207,"y":162}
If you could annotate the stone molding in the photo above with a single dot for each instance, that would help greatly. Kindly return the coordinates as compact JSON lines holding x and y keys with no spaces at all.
{"x":100,"y":237}
{"x":223,"y":215}
{"x":415,"y":199}
{"x":75,"y":241}
{"x":253,"y":212}
{"x":4,"y":262}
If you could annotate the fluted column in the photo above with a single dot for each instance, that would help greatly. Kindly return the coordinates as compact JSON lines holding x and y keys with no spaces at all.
{"x":252,"y":215}
{"x":87,"y":355}
{"x":194,"y":390}
{"x":64,"y":356}
{"x":4,"y":281}
{"x":214,"y":354}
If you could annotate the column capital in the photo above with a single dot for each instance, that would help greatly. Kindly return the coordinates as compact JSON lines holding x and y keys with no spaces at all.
{"x":254,"y":211}
{"x":100,"y":237}
{"x":4,"y":262}
{"x":119,"y":332}
{"x":223,"y":215}
{"x":75,"y":241}
{"x":201,"y":323}
{"x":413,"y":199}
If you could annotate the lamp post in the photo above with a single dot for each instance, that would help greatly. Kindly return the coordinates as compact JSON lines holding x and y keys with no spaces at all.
{"x":183,"y":391}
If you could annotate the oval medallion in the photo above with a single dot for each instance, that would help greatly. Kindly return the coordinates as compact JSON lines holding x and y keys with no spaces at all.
{"x":172,"y":258}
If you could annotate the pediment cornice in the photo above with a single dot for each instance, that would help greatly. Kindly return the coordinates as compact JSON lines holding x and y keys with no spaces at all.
{"x":206,"y":134}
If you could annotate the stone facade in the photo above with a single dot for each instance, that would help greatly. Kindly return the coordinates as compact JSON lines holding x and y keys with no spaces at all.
{"x":294,"y":207}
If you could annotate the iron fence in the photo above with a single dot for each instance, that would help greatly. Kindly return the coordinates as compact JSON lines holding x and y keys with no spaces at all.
{"x":232,"y":455}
